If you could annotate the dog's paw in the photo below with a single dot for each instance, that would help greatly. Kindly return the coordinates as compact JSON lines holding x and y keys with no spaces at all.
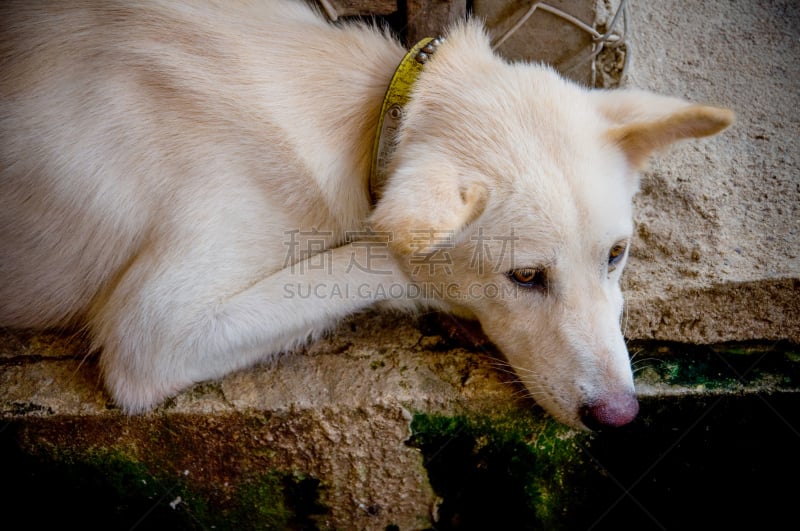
{"x":135,"y":393}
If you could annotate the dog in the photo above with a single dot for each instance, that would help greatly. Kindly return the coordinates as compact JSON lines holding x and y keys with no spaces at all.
{"x":204,"y":185}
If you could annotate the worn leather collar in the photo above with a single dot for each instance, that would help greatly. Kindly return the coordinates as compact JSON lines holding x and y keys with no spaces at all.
{"x":394,"y":102}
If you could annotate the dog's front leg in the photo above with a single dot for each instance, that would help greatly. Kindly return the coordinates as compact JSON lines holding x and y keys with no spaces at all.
{"x":306,"y":298}
{"x":149,"y":353}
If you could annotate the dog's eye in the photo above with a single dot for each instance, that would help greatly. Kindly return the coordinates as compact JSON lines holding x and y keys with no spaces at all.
{"x":616,"y":254}
{"x":529,"y":277}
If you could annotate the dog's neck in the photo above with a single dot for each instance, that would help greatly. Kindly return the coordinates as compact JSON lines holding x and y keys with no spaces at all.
{"x":394,"y":102}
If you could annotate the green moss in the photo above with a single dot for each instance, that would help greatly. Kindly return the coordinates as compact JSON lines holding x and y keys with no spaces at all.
{"x":687,"y":462}
{"x":697,"y":372}
{"x":725,"y":366}
{"x":276,"y":500}
{"x":505,"y":472}
{"x":110,"y":469}
{"x":265,"y":498}
{"x":102,"y":488}
{"x":109,"y":488}
{"x":123,"y":473}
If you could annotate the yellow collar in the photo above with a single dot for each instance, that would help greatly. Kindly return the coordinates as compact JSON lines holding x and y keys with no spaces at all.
{"x":397,"y":96}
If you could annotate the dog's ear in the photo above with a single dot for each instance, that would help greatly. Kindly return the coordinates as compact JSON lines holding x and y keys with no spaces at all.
{"x":423,"y":208}
{"x":644,"y":122}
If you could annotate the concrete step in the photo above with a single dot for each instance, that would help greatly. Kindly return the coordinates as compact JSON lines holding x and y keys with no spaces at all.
{"x":413,"y":431}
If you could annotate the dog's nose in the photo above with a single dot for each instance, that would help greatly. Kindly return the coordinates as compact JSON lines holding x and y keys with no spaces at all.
{"x":610,"y":411}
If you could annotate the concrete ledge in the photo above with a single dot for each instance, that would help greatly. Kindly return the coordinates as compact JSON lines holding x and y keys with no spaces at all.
{"x":374,"y":436}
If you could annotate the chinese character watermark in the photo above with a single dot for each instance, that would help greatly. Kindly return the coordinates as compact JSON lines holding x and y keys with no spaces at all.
{"x":430,"y":248}
{"x":308,"y":249}
{"x":376,"y":248}
{"x":482,"y":253}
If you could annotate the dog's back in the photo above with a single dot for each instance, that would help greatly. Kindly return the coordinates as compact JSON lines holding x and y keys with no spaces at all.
{"x":121,"y":122}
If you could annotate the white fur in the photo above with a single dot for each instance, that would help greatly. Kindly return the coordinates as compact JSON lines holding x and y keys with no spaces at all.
{"x":155,"y":157}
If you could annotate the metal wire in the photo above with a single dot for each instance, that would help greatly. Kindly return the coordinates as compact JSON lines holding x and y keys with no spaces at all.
{"x":612,"y":38}
{"x":330,"y":10}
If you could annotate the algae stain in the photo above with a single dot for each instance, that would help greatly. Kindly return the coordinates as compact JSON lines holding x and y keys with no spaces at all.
{"x":266,"y":500}
{"x":720,"y":367}
{"x":508,"y":472}
{"x":108,"y":488}
{"x":100,"y":488}
{"x":276,"y":500}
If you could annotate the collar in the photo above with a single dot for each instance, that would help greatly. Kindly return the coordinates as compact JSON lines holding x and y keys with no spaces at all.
{"x":396,"y":98}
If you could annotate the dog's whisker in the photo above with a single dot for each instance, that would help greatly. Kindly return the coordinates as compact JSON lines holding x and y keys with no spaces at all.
{"x":646,"y":362}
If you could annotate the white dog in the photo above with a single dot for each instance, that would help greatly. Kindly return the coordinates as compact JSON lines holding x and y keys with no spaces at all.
{"x":191,"y":181}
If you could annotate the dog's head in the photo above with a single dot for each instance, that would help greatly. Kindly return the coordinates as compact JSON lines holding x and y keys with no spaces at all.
{"x":510,"y":199}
